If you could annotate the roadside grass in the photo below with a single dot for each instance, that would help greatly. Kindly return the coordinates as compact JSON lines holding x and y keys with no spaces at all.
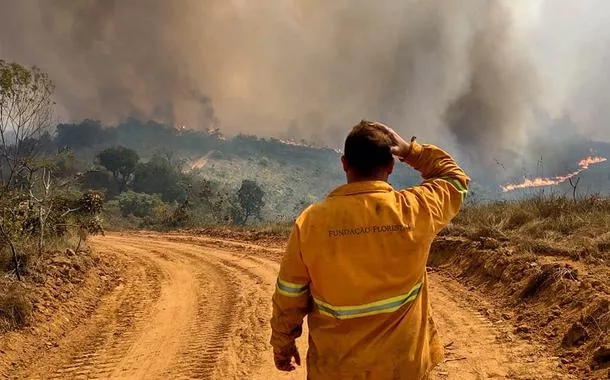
{"x":15,"y":308}
{"x":543,"y":224}
{"x":16,"y":296}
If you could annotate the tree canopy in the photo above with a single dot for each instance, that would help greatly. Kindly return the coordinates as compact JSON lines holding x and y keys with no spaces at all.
{"x":121,"y":162}
{"x":160,"y":176}
{"x":250,"y":197}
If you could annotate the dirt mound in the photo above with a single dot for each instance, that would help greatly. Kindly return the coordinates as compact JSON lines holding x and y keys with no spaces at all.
{"x":564,"y":303}
{"x":268,"y":235}
{"x":59,"y":290}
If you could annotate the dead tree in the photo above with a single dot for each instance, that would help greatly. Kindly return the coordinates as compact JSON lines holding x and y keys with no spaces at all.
{"x":26,"y":108}
{"x":44,"y":204}
{"x":574,"y":186}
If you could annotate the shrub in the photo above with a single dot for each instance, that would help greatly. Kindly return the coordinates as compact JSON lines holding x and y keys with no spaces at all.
{"x":15,"y":308}
{"x":139,"y":204}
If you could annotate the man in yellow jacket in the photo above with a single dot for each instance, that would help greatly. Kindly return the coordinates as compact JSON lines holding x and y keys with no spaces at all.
{"x":355,"y":265}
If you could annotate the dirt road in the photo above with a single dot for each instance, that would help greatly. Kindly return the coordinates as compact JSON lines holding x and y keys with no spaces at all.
{"x":191,"y":307}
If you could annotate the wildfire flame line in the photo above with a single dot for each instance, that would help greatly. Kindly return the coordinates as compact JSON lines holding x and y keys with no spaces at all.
{"x":583,"y":165}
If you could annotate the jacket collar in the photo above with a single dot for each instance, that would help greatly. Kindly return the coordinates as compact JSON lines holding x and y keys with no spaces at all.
{"x":362,"y":188}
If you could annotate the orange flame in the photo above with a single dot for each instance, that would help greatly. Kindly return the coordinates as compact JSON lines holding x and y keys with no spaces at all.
{"x":583,"y":165}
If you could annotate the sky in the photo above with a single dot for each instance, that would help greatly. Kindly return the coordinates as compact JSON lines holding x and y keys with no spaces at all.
{"x":481,"y":77}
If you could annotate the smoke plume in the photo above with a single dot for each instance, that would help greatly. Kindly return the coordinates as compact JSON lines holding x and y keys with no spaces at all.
{"x":451,"y":72}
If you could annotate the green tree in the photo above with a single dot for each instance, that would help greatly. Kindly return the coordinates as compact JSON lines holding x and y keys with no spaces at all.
{"x":160,"y":176}
{"x":250,"y":197}
{"x":121,"y":162}
{"x":99,"y":179}
{"x":86,"y":134}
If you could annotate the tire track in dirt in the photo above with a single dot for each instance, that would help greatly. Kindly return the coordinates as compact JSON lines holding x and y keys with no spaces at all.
{"x":247,"y":345}
{"x":94,"y":349}
{"x":206,"y":330}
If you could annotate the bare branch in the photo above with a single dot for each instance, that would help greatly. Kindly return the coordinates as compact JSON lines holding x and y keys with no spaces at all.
{"x":574,"y":186}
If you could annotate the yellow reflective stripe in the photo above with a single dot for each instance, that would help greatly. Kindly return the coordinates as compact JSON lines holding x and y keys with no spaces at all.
{"x":291,"y":284}
{"x":458,"y":185}
{"x":387,"y":305}
{"x":291,"y":289}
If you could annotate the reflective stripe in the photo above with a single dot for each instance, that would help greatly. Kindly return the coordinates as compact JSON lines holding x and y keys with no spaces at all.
{"x":291,"y":289}
{"x":458,"y":185}
{"x":388,"y":305}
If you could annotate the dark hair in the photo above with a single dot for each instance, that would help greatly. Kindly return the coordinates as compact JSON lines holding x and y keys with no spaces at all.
{"x":367,"y":148}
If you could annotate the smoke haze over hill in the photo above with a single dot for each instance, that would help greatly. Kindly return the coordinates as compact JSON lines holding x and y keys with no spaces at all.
{"x":469,"y":74}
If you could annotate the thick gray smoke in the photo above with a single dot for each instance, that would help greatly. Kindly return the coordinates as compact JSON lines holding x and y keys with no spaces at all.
{"x":451,"y":72}
{"x":110,"y":59}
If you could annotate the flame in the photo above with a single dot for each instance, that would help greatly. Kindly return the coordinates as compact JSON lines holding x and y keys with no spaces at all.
{"x":591,"y":160}
{"x":201,"y":162}
{"x":295,"y":143}
{"x":583,"y":165}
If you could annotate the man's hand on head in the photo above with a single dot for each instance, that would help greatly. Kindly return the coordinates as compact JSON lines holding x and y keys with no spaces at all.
{"x":401,"y":147}
{"x":283,"y":360}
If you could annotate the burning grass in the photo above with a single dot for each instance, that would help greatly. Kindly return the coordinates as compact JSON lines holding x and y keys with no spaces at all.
{"x":583,"y":165}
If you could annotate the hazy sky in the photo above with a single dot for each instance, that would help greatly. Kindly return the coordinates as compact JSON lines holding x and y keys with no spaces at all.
{"x":471,"y":74}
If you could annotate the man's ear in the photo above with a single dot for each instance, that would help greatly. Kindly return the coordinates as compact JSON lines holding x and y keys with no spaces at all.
{"x":344,"y":163}
{"x":391,"y":167}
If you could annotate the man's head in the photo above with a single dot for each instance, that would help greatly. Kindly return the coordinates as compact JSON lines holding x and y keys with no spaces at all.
{"x":367,"y":154}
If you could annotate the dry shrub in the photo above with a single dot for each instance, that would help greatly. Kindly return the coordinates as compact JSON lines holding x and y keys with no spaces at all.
{"x":548,"y":275}
{"x":15,"y":308}
{"x":488,"y":233}
{"x":564,"y":224}
{"x":538,"y":247}
{"x":273,"y":230}
{"x":547,"y":206}
{"x":603,"y":243}
{"x":518,"y":218}
{"x":7,"y":264}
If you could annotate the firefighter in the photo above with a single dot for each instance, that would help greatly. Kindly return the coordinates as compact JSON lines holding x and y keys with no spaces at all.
{"x":355,"y":264}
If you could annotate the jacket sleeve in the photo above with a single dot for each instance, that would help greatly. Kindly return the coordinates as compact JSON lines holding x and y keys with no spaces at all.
{"x":291,"y":298}
{"x":445,"y":184}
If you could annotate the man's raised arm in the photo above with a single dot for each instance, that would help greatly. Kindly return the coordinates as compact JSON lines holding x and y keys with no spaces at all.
{"x":445,"y":184}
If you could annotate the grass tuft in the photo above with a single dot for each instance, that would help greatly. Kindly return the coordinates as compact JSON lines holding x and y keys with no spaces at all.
{"x":15,"y":308}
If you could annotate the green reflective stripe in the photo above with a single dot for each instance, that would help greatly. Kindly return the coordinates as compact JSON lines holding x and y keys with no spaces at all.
{"x":291,"y":289}
{"x":387,"y":305}
{"x":458,"y":185}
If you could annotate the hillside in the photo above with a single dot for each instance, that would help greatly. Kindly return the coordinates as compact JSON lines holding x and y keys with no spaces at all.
{"x":293,"y":175}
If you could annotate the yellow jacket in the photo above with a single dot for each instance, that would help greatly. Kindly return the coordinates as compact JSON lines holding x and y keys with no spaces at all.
{"x":355,"y":265}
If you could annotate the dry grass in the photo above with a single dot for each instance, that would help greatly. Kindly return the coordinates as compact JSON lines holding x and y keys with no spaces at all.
{"x":15,"y":308}
{"x":549,"y":275}
{"x":545,"y":224}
